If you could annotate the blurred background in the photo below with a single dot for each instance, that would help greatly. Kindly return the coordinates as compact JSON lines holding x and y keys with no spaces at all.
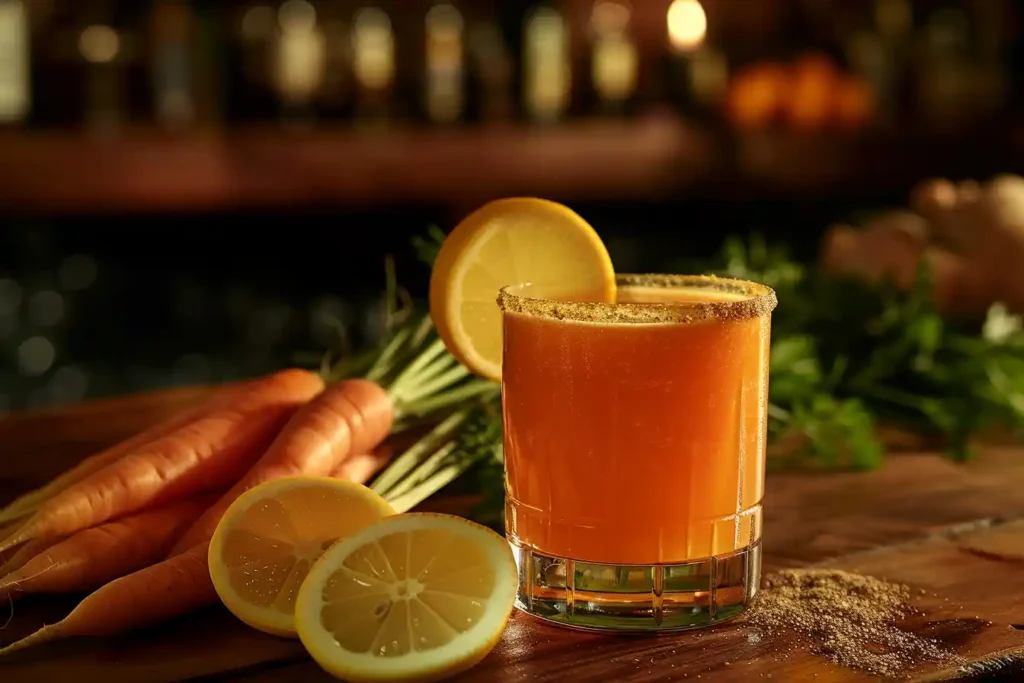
{"x":193,"y":191}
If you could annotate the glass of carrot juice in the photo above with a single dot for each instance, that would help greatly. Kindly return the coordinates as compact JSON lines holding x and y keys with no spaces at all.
{"x":635,"y":450}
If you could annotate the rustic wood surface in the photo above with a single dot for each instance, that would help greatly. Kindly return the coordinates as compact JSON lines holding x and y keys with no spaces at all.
{"x":954,"y":533}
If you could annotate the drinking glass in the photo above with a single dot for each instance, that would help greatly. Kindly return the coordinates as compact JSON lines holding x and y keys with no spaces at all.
{"x":635,"y":450}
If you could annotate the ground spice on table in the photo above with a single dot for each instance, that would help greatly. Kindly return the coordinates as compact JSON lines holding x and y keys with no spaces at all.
{"x":849,"y":618}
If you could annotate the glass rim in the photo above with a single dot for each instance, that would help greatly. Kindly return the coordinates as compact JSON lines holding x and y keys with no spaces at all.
{"x":757,"y":300}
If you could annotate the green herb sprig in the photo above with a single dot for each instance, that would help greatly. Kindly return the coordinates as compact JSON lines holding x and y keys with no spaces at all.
{"x":847,"y":356}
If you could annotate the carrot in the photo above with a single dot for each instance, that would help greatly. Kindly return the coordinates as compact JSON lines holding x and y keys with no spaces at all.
{"x":24,"y":554}
{"x":169,"y":589}
{"x":9,"y":528}
{"x":146,"y":597}
{"x":91,"y":558}
{"x":350,"y":416}
{"x":28,"y":503}
{"x":361,"y":468}
{"x":204,"y":455}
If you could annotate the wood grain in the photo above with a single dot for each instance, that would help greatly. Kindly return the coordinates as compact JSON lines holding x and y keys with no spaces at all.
{"x":955,"y":533}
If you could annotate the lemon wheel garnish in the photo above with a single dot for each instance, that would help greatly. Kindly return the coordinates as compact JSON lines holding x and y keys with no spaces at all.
{"x":414,"y":597}
{"x":269,"y":538}
{"x":509,"y":242}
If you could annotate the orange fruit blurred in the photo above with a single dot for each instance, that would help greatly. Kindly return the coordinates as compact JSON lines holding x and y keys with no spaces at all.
{"x":854,"y":102}
{"x":814,"y":84}
{"x":756,"y":95}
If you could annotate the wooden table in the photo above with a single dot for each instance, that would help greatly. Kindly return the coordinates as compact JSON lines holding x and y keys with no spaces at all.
{"x":954,"y":533}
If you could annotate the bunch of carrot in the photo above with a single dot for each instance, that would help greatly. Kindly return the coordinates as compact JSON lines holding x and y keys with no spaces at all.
{"x":134,"y":522}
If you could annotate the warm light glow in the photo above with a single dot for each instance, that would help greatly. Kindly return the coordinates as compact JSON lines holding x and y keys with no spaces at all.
{"x":445,"y":19}
{"x":373,"y":43}
{"x":99,"y":44}
{"x":687,"y":25}
{"x":297,"y":15}
{"x":258,"y":22}
{"x":608,"y":17}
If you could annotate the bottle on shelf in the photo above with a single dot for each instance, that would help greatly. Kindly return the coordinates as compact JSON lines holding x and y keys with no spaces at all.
{"x":699,"y":71}
{"x":15,"y":72}
{"x":613,"y":56}
{"x":334,"y":102}
{"x":373,"y":63}
{"x":491,"y":71}
{"x":209,"y":58}
{"x":171,"y":65}
{"x":945,"y":70}
{"x":250,"y":91}
{"x":877,"y":53}
{"x":546,"y":65}
{"x":444,"y":90}
{"x":106,"y":50}
{"x":991,"y":22}
{"x":299,"y":60}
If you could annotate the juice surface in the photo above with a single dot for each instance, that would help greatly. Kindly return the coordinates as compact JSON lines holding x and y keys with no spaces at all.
{"x":635,"y":443}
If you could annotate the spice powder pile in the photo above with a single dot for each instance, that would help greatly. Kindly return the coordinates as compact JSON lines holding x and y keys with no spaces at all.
{"x":848,"y":618}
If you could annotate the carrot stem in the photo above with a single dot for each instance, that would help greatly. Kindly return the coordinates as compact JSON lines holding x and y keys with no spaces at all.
{"x":380,"y":367}
{"x":446,"y":400}
{"x":422,"y":471}
{"x":440,"y":382}
{"x":425,"y":489}
{"x":404,"y":378}
{"x":407,"y":461}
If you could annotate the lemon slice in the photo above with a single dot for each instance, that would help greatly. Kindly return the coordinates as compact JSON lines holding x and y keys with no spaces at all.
{"x":413,"y":597}
{"x":508,"y":242}
{"x":271,"y":535}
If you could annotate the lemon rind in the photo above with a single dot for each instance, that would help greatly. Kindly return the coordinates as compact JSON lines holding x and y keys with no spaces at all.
{"x":266,"y":619}
{"x":459,"y":654}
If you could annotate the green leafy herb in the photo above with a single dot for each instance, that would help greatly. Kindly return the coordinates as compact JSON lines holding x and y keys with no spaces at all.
{"x":846,"y":356}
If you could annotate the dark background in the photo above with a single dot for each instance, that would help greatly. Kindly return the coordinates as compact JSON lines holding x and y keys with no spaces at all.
{"x":139,"y":250}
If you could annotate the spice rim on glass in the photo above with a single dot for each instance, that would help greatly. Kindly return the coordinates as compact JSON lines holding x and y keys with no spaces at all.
{"x":635,"y":450}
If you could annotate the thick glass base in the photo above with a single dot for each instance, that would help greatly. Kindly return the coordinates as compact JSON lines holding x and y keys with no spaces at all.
{"x":637,"y":598}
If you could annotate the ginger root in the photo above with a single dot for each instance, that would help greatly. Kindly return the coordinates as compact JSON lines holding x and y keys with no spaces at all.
{"x":971,"y":234}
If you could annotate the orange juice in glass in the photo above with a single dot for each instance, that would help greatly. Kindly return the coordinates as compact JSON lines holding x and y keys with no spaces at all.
{"x":635,"y":450}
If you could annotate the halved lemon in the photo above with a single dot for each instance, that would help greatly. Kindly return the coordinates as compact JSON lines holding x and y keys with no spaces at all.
{"x":414,"y":597}
{"x":509,"y":242}
{"x":270,"y":537}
